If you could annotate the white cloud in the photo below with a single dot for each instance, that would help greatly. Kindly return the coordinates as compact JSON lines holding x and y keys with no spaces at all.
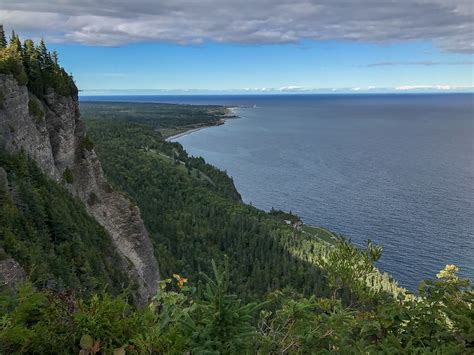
{"x":432,"y":87}
{"x":426,"y":63}
{"x":447,"y":23}
{"x":292,"y":88}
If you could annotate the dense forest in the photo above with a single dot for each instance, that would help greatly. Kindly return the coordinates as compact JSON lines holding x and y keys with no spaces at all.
{"x":50,"y":234}
{"x":235,"y":279}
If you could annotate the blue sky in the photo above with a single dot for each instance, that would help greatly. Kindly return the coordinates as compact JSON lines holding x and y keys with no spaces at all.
{"x":287,"y":67}
{"x":255,"y":45}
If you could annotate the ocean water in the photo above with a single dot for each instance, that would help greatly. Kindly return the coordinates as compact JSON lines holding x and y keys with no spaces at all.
{"x":398,"y":169}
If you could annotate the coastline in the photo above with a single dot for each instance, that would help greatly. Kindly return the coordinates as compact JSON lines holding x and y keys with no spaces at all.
{"x":230,"y":114}
{"x":185,"y":133}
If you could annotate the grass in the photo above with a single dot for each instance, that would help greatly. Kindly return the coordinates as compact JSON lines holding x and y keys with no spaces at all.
{"x":320,"y":233}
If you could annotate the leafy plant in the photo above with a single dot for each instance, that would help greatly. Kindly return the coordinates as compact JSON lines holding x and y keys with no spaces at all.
{"x":68,"y":176}
{"x":35,"y":108}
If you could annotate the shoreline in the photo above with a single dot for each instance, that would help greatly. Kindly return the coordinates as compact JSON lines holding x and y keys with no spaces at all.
{"x":230,"y":114}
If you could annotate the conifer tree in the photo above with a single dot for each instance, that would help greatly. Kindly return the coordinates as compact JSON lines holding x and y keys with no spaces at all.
{"x":55,"y":58}
{"x":35,"y":65}
{"x":32,"y":66}
{"x":15,"y":43}
{"x":3,"y":39}
{"x":43,"y":55}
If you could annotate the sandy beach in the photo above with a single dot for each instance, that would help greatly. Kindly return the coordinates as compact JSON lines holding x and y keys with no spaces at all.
{"x":229,"y":115}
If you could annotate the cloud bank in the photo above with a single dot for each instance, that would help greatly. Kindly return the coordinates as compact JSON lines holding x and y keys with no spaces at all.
{"x":449,"y":24}
{"x":288,"y":90}
{"x":426,"y":63}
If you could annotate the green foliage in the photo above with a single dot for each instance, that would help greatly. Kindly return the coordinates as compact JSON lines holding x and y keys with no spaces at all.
{"x":210,"y":320}
{"x":35,"y":109}
{"x":349,"y":267}
{"x":68,"y":176}
{"x":168,"y":119}
{"x":3,"y":38}
{"x":93,"y":199}
{"x":224,"y":324}
{"x":87,"y":143}
{"x":35,"y":66}
{"x":284,"y":216}
{"x":11,"y":63}
{"x":50,"y":234}
{"x":429,"y":323}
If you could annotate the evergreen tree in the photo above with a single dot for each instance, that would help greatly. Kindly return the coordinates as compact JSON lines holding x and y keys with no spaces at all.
{"x":3,"y":39}
{"x":31,"y":63}
{"x":36,"y":66}
{"x":55,"y":58}
{"x":43,"y":55}
{"x":15,"y":43}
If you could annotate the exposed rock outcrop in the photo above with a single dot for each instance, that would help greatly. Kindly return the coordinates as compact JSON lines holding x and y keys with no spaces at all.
{"x":11,"y":272}
{"x":52,"y":133}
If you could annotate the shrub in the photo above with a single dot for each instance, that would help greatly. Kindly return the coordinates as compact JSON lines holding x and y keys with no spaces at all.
{"x":93,"y":199}
{"x":35,"y":108}
{"x":87,"y":143}
{"x":67,"y":176}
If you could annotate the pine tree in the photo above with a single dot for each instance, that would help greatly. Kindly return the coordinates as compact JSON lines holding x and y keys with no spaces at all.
{"x":15,"y":43}
{"x":55,"y":58}
{"x":3,"y":39}
{"x":32,"y":67}
{"x":43,"y":55}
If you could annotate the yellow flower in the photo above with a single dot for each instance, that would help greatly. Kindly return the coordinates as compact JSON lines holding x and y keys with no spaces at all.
{"x":180,"y":280}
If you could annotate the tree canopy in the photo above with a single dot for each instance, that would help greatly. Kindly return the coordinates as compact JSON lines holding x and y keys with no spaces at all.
{"x":33,"y":65}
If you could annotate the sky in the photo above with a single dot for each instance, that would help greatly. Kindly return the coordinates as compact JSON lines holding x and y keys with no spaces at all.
{"x":259,"y":46}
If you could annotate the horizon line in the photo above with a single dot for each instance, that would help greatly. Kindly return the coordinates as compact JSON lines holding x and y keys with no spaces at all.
{"x":105,"y":93}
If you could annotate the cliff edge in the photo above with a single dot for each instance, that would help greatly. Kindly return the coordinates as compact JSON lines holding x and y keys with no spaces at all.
{"x":51,"y":132}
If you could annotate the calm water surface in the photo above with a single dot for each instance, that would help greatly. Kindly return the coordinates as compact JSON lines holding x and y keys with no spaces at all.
{"x":398,"y":169}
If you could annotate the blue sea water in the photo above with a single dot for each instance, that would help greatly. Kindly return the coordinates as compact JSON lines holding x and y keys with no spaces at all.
{"x":398,"y":169}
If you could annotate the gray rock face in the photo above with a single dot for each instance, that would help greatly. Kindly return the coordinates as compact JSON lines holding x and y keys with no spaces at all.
{"x":11,"y":273}
{"x":55,"y":139}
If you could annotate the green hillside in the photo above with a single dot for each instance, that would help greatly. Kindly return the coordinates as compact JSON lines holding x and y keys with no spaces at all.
{"x":194,"y":214}
{"x":50,"y":234}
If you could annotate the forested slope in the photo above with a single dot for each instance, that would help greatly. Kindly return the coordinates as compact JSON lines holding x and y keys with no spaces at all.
{"x":194,"y":214}
{"x":51,"y":235}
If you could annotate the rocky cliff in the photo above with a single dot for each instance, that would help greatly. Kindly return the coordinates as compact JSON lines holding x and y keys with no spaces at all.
{"x":51,"y":132}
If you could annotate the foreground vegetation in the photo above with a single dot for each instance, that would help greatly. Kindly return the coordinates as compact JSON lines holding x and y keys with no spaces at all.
{"x":209,"y":320}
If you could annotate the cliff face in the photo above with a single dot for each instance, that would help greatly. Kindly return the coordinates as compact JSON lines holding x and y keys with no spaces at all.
{"x":52,"y":133}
